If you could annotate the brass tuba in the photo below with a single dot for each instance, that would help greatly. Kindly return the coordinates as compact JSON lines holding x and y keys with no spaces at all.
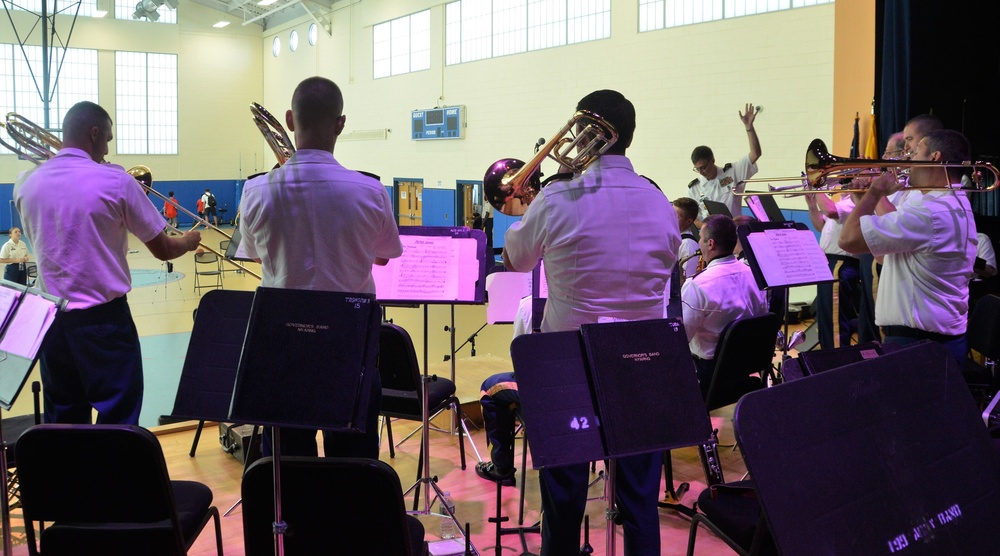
{"x":510,"y":184}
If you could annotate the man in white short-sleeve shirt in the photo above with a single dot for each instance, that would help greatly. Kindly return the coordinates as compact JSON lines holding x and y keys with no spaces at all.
{"x":928,"y":243}
{"x":315,"y":225}
{"x":78,"y":214}
{"x":719,"y":184}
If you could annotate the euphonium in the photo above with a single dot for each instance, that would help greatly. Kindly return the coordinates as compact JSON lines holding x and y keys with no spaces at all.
{"x":510,"y":184}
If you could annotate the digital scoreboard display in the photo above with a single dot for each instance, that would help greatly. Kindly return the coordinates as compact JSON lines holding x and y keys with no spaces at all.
{"x":438,"y":123}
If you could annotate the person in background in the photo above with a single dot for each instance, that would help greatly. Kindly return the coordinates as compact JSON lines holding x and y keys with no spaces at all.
{"x":723,"y":292}
{"x":719,"y":184}
{"x":14,"y":254}
{"x":170,"y":210}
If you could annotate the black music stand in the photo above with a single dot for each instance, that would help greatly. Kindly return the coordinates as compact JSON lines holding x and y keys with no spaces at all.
{"x":423,"y":275}
{"x":308,"y":361}
{"x":783,"y":255}
{"x":887,"y":455}
{"x":205,"y":390}
{"x":26,"y":314}
{"x":582,"y":392}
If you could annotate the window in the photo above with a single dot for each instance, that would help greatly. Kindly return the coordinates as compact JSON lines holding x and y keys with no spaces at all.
{"x":146,"y":97}
{"x":478,"y":29}
{"x":402,"y":45}
{"x":76,"y":81}
{"x":293,"y":40}
{"x":125,"y":8}
{"x":659,"y":14}
{"x":313,"y":34}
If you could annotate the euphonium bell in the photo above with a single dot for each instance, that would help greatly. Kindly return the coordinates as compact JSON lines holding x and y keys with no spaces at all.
{"x":510,"y":184}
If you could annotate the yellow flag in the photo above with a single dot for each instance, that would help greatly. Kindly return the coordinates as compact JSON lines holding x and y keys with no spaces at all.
{"x":871,"y":148}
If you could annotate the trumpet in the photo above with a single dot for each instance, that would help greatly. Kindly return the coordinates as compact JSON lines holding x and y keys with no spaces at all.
{"x":821,"y":168}
{"x":510,"y":184}
{"x":37,"y":144}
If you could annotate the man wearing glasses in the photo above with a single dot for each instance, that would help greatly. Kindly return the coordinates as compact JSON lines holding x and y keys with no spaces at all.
{"x":719,"y":184}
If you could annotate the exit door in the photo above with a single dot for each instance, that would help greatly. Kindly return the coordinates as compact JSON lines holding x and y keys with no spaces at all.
{"x":410,"y":202}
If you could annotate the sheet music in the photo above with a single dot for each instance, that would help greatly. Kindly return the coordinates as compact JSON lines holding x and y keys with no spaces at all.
{"x":431,"y":268}
{"x":8,"y":299}
{"x":26,"y":330}
{"x":789,"y":257}
{"x":757,"y":208}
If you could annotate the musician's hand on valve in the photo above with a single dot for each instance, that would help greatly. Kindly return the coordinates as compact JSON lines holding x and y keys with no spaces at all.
{"x":885,"y":184}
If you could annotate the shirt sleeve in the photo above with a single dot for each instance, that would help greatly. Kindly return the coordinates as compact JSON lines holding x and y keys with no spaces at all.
{"x":388,"y":244}
{"x":692,"y":303}
{"x":907,"y":230}
{"x":743,"y":170}
{"x":524,"y":241}
{"x":5,"y":251}
{"x":141,"y":216}
{"x":248,"y":244}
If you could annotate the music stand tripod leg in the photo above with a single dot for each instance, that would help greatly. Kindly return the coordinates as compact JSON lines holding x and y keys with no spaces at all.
{"x":425,"y":464}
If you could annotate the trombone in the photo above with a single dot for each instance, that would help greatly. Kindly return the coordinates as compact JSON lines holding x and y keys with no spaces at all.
{"x":510,"y":184}
{"x":274,"y":133}
{"x":38,"y":145}
{"x":821,"y":168}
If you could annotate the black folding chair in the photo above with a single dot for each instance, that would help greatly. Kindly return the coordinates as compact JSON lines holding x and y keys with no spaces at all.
{"x":105,"y":489}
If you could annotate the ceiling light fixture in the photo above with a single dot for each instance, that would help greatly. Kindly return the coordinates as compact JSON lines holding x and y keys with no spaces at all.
{"x":221,"y":24}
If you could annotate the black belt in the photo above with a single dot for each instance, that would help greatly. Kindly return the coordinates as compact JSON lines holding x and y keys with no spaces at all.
{"x":853,"y":261}
{"x":917,"y":334}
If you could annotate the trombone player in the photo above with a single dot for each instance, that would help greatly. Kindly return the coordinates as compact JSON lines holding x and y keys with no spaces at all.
{"x":928,"y":243}
{"x":79,"y":212}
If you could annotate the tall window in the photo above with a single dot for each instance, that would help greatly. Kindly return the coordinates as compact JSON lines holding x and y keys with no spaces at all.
{"x":478,"y":29}
{"x":76,"y":81}
{"x":125,"y":8}
{"x":402,"y":45}
{"x":146,"y":100}
{"x":658,"y":14}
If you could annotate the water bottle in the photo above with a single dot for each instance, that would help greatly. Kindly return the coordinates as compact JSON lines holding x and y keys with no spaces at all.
{"x":449,"y":529}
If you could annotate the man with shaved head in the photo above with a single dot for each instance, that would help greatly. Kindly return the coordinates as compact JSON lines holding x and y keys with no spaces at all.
{"x":78,"y":214}
{"x":315,"y":225}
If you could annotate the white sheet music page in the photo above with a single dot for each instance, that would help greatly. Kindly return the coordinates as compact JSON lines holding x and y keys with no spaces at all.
{"x":432,"y":268}
{"x":28,"y":327}
{"x":789,"y":257}
{"x":8,"y":298}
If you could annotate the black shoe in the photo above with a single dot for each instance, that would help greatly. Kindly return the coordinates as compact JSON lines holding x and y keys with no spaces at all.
{"x":489,"y":471}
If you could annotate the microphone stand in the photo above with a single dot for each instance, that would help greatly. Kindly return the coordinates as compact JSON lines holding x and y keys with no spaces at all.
{"x":469,"y":340}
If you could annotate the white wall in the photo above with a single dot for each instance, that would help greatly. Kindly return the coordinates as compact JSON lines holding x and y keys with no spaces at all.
{"x":687,"y":84}
{"x":219,"y":73}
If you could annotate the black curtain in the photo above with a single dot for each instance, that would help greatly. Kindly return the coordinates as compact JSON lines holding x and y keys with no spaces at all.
{"x":942,"y":59}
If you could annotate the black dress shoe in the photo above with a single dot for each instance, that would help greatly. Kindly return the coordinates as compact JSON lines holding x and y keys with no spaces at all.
{"x":489,"y":471}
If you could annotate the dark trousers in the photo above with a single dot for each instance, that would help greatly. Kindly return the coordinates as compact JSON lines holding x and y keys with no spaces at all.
{"x":499,"y":400}
{"x":848,"y":280}
{"x":867,"y":330}
{"x":16,"y":272}
{"x":91,"y":359}
{"x":564,"y":500}
{"x":957,"y":346}
{"x":302,"y":442}
{"x":705,"y":369}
